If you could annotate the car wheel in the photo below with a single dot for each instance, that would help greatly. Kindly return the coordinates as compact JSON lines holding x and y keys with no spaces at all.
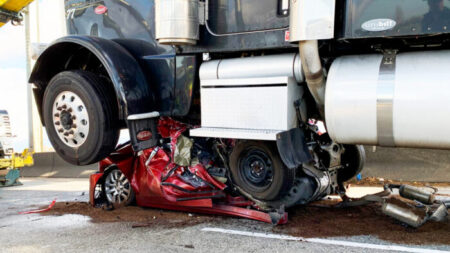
{"x":117,"y":189}
{"x":257,"y":169}
{"x":352,"y":160}
{"x":80,"y":117}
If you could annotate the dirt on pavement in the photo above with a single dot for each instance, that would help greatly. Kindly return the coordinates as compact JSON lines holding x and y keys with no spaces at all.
{"x":314,"y":221}
{"x":140,"y":216}
{"x":309,"y":221}
{"x":376,"y":181}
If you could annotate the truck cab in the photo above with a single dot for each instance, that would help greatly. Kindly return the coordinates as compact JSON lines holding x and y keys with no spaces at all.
{"x":261,"y":76}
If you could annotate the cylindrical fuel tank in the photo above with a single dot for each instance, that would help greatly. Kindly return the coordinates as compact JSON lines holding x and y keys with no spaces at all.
{"x":254,"y":67}
{"x":177,"y":21}
{"x":398,"y":100}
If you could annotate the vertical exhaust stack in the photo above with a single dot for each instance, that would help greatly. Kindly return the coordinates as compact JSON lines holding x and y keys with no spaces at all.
{"x":311,"y":21}
{"x":177,"y":22}
{"x":313,"y":71}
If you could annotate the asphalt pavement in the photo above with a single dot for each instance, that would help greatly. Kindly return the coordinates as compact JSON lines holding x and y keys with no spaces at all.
{"x":77,"y":233}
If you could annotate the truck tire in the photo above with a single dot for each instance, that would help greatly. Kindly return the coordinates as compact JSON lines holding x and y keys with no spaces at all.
{"x":80,"y":117}
{"x":257,"y":169}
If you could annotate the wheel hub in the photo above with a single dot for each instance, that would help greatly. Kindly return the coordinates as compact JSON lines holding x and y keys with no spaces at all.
{"x":257,"y":169}
{"x":117,"y":187}
{"x":70,"y":119}
{"x":66,"y":120}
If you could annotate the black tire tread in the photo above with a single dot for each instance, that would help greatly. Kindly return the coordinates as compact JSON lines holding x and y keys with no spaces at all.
{"x":283,"y":185}
{"x":109,"y":133}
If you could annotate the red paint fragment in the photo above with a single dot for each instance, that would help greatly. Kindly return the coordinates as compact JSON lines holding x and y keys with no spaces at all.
{"x":41,"y":210}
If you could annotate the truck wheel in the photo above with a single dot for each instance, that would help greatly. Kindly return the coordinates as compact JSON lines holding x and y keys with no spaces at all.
{"x":257,"y":169}
{"x":80,"y":117}
{"x":117,"y":189}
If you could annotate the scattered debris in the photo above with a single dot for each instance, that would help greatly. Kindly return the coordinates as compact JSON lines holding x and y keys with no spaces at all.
{"x":374,"y":181}
{"x":414,"y":207}
{"x":41,"y":210}
{"x":312,"y":221}
{"x":307,"y":221}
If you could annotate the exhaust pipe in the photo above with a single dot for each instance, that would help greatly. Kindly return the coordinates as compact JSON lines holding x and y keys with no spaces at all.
{"x":310,"y":21}
{"x":313,"y":71}
{"x":402,"y":214}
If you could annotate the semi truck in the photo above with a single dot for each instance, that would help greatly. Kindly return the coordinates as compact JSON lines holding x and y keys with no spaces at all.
{"x":290,"y":88}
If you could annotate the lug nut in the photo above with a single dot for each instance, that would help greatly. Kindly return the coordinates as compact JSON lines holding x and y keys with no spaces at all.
{"x":60,"y":130}
{"x":74,"y":117}
{"x":64,"y":106}
{"x":57,"y":123}
{"x":59,"y":108}
{"x":56,"y":115}
{"x":74,"y":125}
{"x":66,"y":134}
{"x":69,"y":110}
{"x":71,"y":132}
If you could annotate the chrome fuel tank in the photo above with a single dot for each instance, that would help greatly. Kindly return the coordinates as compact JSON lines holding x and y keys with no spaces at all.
{"x":392,"y":100}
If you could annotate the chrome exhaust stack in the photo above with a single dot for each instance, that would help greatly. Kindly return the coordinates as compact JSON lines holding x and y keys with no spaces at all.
{"x":313,"y":71}
{"x":311,"y":21}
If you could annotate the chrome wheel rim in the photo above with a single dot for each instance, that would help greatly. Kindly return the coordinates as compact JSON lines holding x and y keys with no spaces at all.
{"x":117,"y":187}
{"x":70,"y":119}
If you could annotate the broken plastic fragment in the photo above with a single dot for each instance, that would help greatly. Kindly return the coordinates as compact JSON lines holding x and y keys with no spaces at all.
{"x":41,"y":210}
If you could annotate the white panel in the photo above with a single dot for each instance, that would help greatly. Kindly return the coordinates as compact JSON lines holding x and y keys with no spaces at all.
{"x":246,"y":134}
{"x":251,"y":108}
{"x":259,"y":107}
{"x":245,"y":81}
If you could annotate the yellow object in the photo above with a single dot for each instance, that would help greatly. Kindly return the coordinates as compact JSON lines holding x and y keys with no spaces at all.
{"x":17,"y":161}
{"x":13,"y":5}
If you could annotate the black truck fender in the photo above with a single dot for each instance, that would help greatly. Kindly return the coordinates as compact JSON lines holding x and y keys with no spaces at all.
{"x":132,"y":91}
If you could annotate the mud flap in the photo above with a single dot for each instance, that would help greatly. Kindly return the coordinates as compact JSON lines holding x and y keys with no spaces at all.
{"x":292,"y":148}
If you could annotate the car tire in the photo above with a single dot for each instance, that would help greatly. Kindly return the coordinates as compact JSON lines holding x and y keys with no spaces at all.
{"x":117,"y":189}
{"x":352,"y":160}
{"x":256,"y":168}
{"x":80,"y":116}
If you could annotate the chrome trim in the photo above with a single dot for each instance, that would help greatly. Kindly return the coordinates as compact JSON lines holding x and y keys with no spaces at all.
{"x":147,"y":115}
{"x":240,"y":33}
{"x":385,"y":100}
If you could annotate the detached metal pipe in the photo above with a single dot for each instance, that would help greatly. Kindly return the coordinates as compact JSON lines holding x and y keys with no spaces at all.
{"x":313,"y":71}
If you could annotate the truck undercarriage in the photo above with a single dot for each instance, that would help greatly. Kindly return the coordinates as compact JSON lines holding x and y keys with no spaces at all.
{"x":280,"y":94}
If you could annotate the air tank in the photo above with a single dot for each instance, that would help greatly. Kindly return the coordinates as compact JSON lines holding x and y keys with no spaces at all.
{"x":254,"y":67}
{"x":398,"y":100}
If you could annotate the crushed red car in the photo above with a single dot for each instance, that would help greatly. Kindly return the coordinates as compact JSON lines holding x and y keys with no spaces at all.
{"x":166,"y":176}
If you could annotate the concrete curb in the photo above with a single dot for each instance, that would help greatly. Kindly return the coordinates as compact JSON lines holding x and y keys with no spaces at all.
{"x":404,"y":164}
{"x":49,"y":164}
{"x":390,"y":163}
